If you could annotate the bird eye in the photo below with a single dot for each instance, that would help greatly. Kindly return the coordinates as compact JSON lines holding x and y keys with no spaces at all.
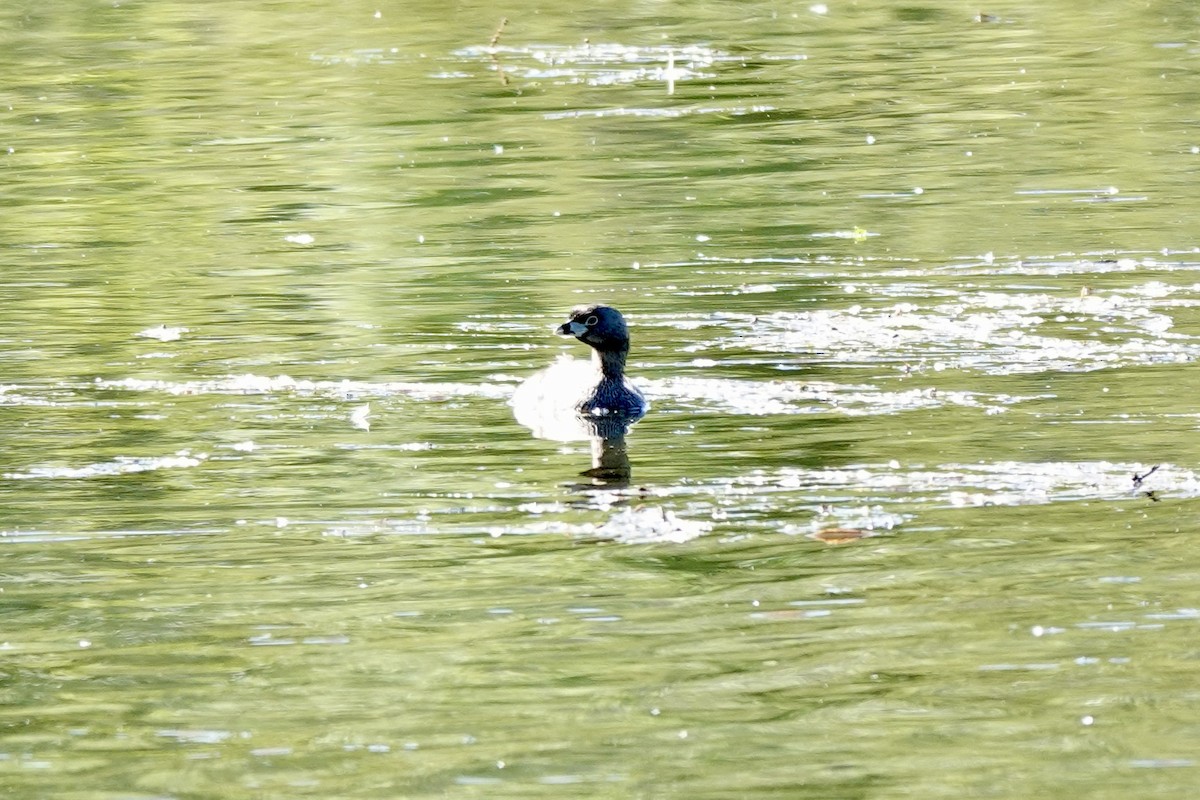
{"x":591,"y":321}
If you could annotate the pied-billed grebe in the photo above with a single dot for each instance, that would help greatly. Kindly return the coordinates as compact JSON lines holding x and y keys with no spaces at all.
{"x":603,"y":329}
{"x":555,"y":400}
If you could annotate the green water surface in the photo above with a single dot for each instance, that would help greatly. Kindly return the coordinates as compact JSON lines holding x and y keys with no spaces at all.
{"x":914,"y":293}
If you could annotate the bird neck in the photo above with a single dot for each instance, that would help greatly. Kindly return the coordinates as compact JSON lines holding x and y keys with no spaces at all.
{"x":610,"y":362}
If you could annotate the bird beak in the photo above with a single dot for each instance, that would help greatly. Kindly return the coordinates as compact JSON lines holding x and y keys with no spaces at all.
{"x":570,"y":328}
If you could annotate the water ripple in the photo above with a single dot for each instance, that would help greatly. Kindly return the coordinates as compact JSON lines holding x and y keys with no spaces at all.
{"x":993,"y":332}
{"x":121,"y":465}
{"x":999,"y":483}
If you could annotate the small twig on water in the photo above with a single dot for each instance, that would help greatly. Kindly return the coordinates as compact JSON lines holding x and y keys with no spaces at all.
{"x":492,"y":51}
{"x":499,"y":30}
{"x":1138,"y":479}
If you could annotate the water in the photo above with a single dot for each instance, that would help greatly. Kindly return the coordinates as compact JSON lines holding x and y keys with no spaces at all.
{"x":914,"y":298}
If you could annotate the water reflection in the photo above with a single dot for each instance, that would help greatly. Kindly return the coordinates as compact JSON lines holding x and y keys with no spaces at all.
{"x":574,"y":400}
{"x":610,"y":453}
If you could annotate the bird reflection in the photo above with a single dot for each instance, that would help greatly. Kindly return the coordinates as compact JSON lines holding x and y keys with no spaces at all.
{"x":573,"y":400}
